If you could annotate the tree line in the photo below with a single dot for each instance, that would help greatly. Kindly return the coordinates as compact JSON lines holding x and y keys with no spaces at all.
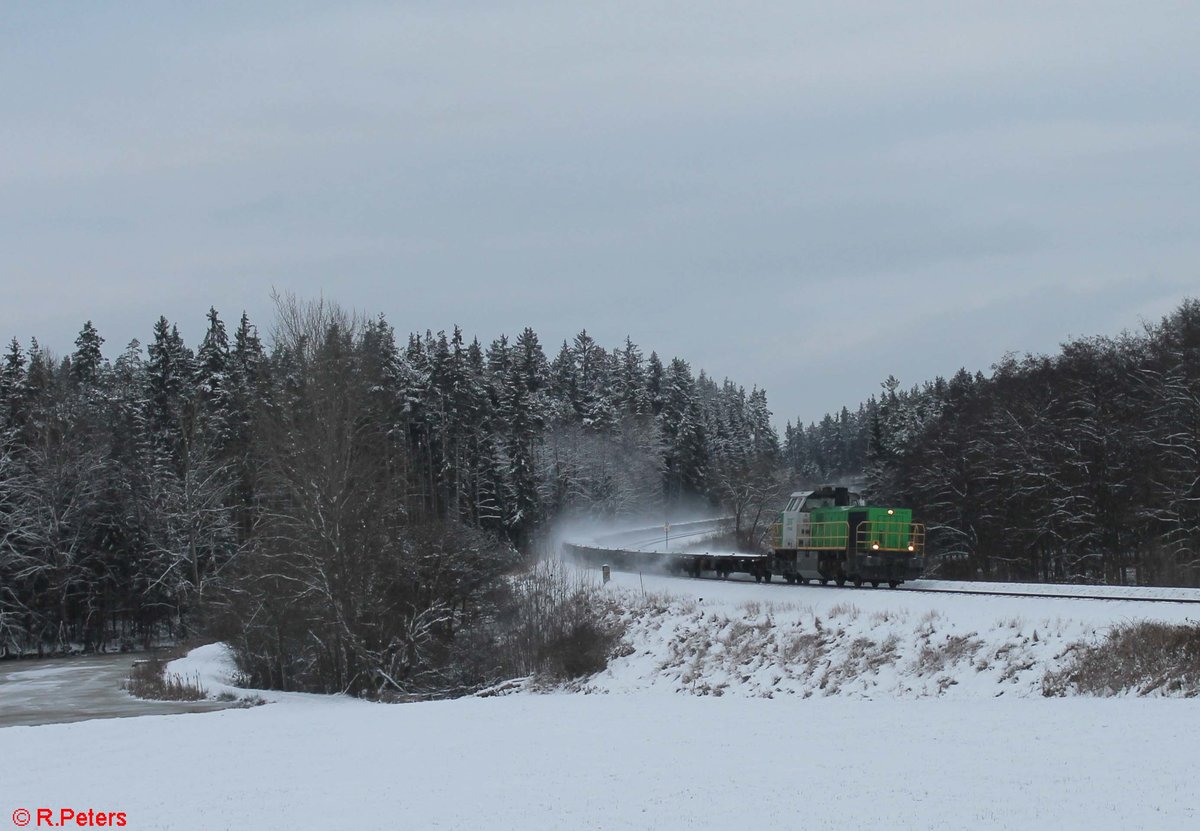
{"x":341,"y":504}
{"x":833,"y":449}
{"x":1083,"y":466}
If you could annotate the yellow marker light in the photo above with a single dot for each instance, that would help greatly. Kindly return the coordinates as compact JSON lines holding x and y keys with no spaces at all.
{"x":874,"y":546}
{"x":910,"y":548}
{"x":890,"y":512}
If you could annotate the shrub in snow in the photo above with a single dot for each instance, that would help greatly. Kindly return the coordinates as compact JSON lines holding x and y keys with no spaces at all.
{"x":149,"y":679}
{"x":558,"y":625}
{"x":1143,"y":658}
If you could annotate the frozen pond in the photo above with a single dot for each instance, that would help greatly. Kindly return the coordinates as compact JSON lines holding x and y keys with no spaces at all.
{"x":75,"y":689}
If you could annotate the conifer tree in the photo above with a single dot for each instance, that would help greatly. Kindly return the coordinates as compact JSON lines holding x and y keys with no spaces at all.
{"x":87,"y":359}
{"x":213,"y":383}
{"x":12,"y":382}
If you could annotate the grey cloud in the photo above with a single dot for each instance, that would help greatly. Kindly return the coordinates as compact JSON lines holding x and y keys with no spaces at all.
{"x":801,"y":196}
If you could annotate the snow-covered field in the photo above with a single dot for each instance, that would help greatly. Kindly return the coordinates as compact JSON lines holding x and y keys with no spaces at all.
{"x":629,"y":761}
{"x":890,"y":747}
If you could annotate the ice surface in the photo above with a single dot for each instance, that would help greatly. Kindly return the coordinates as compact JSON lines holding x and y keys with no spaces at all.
{"x":74,"y":689}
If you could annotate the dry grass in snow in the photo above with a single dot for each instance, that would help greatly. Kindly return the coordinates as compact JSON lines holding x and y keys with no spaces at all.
{"x":717,"y":645}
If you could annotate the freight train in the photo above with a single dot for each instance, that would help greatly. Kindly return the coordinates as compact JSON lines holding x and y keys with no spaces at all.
{"x":831,"y":534}
{"x":826,"y":534}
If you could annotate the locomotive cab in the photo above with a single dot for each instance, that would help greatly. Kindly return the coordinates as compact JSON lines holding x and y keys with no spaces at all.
{"x":794,"y":529}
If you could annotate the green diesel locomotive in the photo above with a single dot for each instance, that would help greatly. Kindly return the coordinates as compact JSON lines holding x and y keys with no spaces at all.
{"x":831,"y":534}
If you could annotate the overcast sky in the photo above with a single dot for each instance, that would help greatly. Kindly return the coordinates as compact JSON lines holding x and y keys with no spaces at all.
{"x":803,"y":196}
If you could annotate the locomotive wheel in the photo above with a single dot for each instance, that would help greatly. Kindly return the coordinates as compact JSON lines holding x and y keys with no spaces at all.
{"x":857,"y":582}
{"x":893,"y":583}
{"x":766,"y":577}
{"x":841,"y":580}
{"x":874,"y":584}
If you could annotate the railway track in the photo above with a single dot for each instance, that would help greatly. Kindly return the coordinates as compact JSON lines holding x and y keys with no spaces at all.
{"x":632,"y":556}
{"x":1058,"y":596}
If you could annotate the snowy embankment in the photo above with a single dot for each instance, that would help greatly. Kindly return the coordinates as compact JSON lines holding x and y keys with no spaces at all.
{"x":730,"y":637}
{"x":714,"y":637}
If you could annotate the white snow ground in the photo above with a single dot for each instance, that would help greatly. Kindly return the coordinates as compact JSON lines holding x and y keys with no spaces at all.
{"x":630,"y":761}
{"x":896,"y":748}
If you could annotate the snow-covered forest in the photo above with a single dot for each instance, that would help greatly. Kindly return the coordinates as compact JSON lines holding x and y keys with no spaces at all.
{"x":1083,"y":466}
{"x":330,"y":497}
{"x":344,"y":505}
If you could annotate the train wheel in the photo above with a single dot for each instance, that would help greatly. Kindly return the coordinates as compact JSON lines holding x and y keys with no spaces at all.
{"x":874,"y":584}
{"x":841,"y":580}
{"x":766,"y":577}
{"x":857,"y":582}
{"x":824,"y":581}
{"x":893,"y":583}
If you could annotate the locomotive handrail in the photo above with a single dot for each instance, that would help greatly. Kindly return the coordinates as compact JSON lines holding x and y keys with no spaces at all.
{"x":891,"y":536}
{"x":820,"y":536}
{"x":827,"y":536}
